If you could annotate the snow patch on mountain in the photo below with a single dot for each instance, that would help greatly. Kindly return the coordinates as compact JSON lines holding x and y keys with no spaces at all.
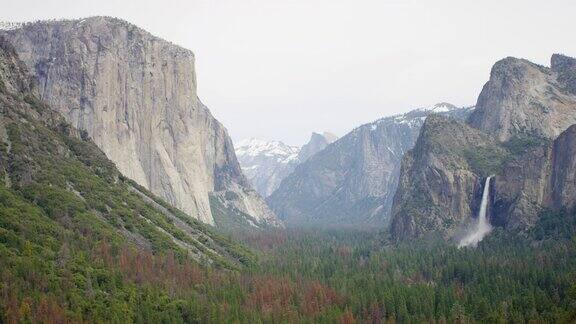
{"x":439,"y":108}
{"x":267,"y":163}
{"x":254,"y":147}
{"x":8,"y":25}
{"x":414,"y":118}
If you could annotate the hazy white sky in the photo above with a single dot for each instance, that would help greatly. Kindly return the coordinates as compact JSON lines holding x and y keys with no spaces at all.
{"x":280,"y":69}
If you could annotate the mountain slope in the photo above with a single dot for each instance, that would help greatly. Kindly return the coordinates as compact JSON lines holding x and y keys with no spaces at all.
{"x":352,"y":181}
{"x":266,"y":164}
{"x":78,"y":241}
{"x":52,"y":169}
{"x":135,"y":95}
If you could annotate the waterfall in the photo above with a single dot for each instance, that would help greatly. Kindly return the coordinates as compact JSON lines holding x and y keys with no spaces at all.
{"x":482,"y":226}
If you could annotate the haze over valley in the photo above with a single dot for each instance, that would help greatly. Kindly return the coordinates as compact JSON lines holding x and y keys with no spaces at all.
{"x":129,"y":193}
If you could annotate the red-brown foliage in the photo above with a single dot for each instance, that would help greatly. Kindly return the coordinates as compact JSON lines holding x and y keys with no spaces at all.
{"x":347,"y":318}
{"x":143,"y":267}
{"x":318,"y":296}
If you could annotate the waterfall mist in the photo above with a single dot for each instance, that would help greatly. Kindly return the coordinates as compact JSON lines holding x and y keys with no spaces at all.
{"x":482,"y":226}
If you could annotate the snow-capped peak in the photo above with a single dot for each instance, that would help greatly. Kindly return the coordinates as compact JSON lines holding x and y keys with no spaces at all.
{"x":439,"y":107}
{"x":266,"y":163}
{"x":414,"y":118}
{"x":257,"y":147}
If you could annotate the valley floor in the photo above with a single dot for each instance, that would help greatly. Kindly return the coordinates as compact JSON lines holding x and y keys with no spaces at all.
{"x":344,"y":276}
{"x":355,"y":276}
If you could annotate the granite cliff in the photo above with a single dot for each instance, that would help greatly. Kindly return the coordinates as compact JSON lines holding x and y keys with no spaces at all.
{"x":59,"y":191}
{"x":525,"y":98}
{"x":135,"y":95}
{"x":521,"y":133}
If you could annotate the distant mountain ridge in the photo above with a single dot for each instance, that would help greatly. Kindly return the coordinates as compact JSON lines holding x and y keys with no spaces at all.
{"x":353,"y":180}
{"x":267,"y":163}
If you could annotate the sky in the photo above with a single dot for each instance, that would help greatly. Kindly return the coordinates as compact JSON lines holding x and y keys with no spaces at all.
{"x":281,"y":69}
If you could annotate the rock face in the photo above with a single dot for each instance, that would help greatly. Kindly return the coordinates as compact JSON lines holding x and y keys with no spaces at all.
{"x":267,"y":163}
{"x":316,"y":144}
{"x":441,"y":177}
{"x":135,"y":96}
{"x":563,"y":180}
{"x":520,"y":133}
{"x":57,"y":184}
{"x":353,"y":180}
{"x":524,"y":98}
{"x":540,"y":177}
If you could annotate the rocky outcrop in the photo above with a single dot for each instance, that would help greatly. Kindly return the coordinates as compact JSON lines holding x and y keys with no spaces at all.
{"x":563,"y":182}
{"x":442,"y":180}
{"x":521,"y":134}
{"x":135,"y":95}
{"x":353,"y":180}
{"x":267,"y":163}
{"x":316,"y":144}
{"x":524,"y":98}
{"x":442,"y":177}
{"x":542,"y":176}
{"x":14,"y":74}
{"x":565,"y":69}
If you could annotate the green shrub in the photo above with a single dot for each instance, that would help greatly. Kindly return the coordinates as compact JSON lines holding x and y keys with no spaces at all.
{"x":560,"y":224}
{"x":522,"y":143}
{"x":487,"y":160}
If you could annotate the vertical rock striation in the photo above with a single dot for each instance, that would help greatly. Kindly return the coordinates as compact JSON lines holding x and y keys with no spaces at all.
{"x":57,"y":187}
{"x":135,"y":95}
{"x":525,"y":136}
{"x":441,"y":178}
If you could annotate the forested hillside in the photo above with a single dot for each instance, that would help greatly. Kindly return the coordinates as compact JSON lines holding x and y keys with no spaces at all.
{"x":77,"y":238}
